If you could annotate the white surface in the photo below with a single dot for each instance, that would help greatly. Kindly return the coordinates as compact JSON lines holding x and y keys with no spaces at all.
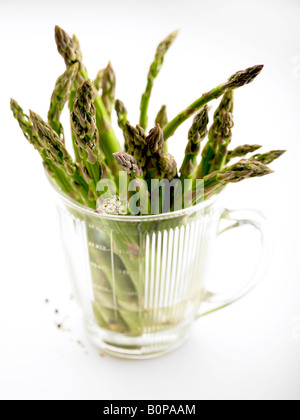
{"x":250,"y":350}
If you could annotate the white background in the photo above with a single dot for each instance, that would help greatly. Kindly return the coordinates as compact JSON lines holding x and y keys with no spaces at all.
{"x":248,"y":351}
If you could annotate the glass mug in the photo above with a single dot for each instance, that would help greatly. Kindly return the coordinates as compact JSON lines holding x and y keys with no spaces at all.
{"x":140,"y":280}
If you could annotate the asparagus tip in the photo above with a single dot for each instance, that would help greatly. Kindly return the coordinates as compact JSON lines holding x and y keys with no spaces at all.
{"x":68,"y":47}
{"x":162,"y":117}
{"x":168,"y":166}
{"x":174,"y":34}
{"x":244,"y":77}
{"x":269,"y":157}
{"x":128,"y":163}
{"x":155,"y":140}
{"x":58,"y":33}
{"x":13,"y":102}
{"x":32,"y":114}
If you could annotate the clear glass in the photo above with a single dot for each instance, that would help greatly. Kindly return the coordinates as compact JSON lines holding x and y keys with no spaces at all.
{"x":139,"y":280}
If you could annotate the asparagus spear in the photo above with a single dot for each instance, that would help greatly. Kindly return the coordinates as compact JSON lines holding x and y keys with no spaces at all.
{"x":77,"y":45}
{"x":122,"y":119}
{"x":241,"y":151}
{"x":26,"y":126}
{"x":76,"y":186}
{"x":168,"y":166}
{"x":68,"y":47}
{"x":121,"y":114}
{"x":155,"y":149}
{"x":196,"y":134}
{"x":147,"y":150}
{"x":135,"y":138}
{"x":51,"y":142}
{"x":108,"y":87}
{"x":221,"y":143}
{"x":70,"y":51}
{"x":60,"y":96}
{"x":152,"y":74}
{"x":210,"y":153}
{"x":155,"y":141}
{"x":239,"y":79}
{"x":98,"y":79}
{"x":84,"y":127}
{"x":162,"y":117}
{"x":58,"y":154}
{"x":106,"y":79}
{"x":239,"y":171}
{"x":162,"y":120}
{"x":226,"y":105}
{"x":269,"y":157}
{"x":164,"y":168}
{"x":129,"y":164}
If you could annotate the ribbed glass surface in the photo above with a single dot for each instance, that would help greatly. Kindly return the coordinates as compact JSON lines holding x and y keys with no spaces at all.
{"x":140,"y":283}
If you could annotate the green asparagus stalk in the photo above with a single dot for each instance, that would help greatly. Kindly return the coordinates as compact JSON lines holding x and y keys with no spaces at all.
{"x":59,"y":156}
{"x":77,"y":45}
{"x":52,"y":143}
{"x":226,"y":106}
{"x":162,"y":120}
{"x":162,"y":117}
{"x":164,"y":168}
{"x":155,"y":149}
{"x":155,"y":141}
{"x":135,"y":138}
{"x":168,"y":166}
{"x":221,"y":143}
{"x":239,"y":171}
{"x":59,"y":97}
{"x":68,"y":47}
{"x":129,"y":164}
{"x":110,"y":291}
{"x":108,"y":87}
{"x":196,"y":135}
{"x":121,"y":114}
{"x":269,"y":157}
{"x":241,"y":151}
{"x":61,"y":178}
{"x":160,"y":165}
{"x":152,"y":74}
{"x":211,"y":159}
{"x":106,"y":79}
{"x":98,"y":79}
{"x":70,"y":51}
{"x":25,"y":125}
{"x":83,"y":119}
{"x":239,"y":79}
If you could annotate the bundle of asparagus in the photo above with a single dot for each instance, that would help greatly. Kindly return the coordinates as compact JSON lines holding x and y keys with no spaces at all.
{"x":98,"y":156}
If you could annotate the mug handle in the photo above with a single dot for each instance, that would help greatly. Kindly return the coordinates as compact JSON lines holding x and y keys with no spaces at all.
{"x":239,"y":218}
